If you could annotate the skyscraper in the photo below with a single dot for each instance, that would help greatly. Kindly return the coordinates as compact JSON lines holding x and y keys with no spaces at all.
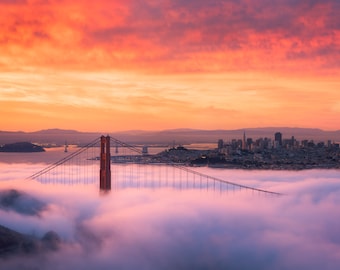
{"x":278,"y":138}
{"x":244,"y":143}
{"x":220,"y":144}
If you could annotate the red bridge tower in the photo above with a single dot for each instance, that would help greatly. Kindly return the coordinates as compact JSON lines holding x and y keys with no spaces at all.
{"x":105,"y":163}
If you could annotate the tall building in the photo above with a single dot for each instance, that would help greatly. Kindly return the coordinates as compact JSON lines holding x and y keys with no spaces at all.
{"x":293,"y":142}
{"x":278,"y":138}
{"x":244,"y":142}
{"x":220,"y":144}
{"x":249,"y":143}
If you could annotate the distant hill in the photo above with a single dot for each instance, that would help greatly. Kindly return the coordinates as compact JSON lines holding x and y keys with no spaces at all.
{"x":183,"y":136}
{"x":167,"y":137}
{"x":15,"y":243}
{"x":49,"y":136}
{"x":21,"y":147}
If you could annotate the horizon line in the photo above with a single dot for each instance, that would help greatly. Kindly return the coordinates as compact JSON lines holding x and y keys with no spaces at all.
{"x":171,"y":129}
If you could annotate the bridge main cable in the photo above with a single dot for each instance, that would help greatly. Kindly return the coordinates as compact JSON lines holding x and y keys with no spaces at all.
{"x":224,"y":181}
{"x":63,"y":160}
{"x":137,"y":150}
{"x":184,"y":168}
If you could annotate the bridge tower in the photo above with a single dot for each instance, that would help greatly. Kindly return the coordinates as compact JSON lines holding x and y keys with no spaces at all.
{"x":105,"y":163}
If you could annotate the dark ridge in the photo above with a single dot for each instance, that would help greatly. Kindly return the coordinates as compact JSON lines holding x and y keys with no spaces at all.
{"x":16,"y":201}
{"x":25,"y":147}
{"x":15,"y":243}
{"x":180,"y":136}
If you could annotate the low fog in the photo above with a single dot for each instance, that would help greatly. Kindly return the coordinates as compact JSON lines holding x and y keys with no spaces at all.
{"x":167,"y":228}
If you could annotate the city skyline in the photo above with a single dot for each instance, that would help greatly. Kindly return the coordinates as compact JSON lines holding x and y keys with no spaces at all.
{"x":156,"y":65}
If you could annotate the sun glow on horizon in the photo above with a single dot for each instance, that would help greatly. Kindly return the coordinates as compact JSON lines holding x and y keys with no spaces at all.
{"x":152,"y":66}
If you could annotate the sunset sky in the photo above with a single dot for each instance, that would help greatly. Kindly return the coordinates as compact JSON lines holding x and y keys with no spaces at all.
{"x":111,"y":65}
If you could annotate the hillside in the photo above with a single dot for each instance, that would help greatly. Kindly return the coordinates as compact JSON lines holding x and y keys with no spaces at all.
{"x":21,"y":147}
{"x":179,"y":136}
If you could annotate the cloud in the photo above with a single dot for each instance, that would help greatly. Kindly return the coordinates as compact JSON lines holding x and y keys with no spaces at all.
{"x":170,"y":36}
{"x":12,"y":2}
{"x":166,"y":228}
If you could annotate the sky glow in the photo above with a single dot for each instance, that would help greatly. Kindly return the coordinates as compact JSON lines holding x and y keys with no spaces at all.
{"x":120,"y":65}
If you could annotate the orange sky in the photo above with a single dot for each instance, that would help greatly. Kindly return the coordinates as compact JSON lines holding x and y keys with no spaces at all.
{"x":156,"y":64}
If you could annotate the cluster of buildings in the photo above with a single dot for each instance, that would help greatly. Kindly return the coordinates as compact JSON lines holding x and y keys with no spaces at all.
{"x":263,"y":153}
{"x":277,"y":143}
{"x":277,"y":153}
{"x":274,"y":153}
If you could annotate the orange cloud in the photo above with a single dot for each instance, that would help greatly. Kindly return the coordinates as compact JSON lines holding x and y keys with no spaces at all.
{"x":171,"y":36}
{"x":169,"y":63}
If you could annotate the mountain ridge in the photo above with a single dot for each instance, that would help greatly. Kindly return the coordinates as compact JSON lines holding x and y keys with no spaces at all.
{"x":61,"y":136}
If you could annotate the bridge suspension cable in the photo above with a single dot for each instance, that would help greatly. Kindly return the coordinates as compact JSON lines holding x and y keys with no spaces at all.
{"x":224,"y":181}
{"x":188,"y":170}
{"x":65,"y":159}
{"x":168,"y":162}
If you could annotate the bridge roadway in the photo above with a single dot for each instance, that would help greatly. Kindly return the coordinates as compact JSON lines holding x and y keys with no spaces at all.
{"x":138,"y":158}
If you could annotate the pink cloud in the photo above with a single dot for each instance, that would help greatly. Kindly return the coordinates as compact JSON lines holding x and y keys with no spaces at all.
{"x":170,"y":34}
{"x":156,"y":228}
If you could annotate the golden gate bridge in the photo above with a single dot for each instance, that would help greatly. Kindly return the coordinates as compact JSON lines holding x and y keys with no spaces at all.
{"x":130,"y":167}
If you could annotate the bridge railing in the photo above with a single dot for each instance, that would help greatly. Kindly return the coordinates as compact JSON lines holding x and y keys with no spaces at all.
{"x":51,"y":176}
